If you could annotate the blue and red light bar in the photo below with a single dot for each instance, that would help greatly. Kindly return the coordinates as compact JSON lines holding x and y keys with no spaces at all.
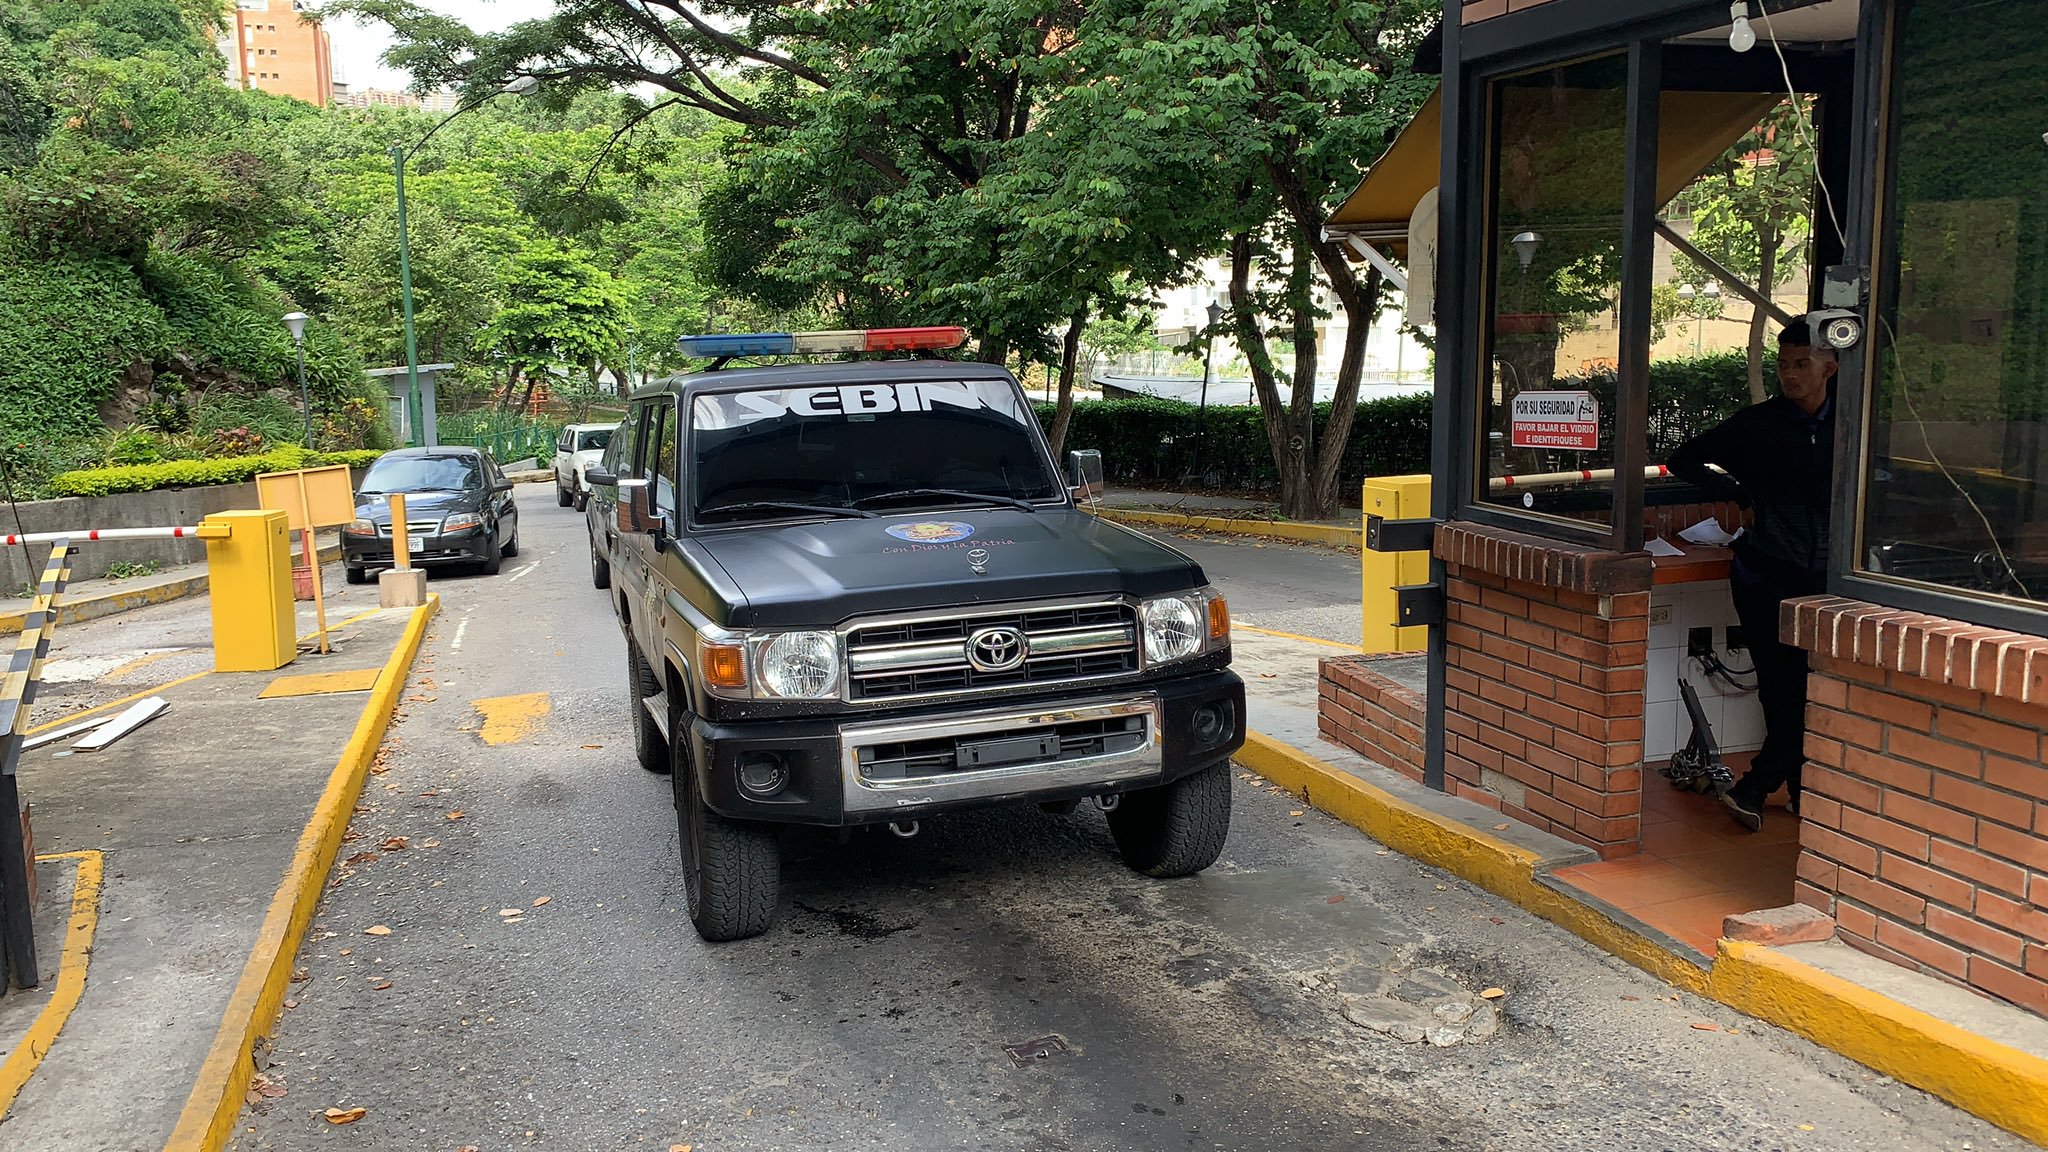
{"x":817,"y":343}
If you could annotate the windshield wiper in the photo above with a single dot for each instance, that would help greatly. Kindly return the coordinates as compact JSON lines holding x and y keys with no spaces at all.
{"x":952,"y":494}
{"x":787,"y":506}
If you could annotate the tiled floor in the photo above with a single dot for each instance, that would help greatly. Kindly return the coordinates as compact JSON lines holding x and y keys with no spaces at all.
{"x":1697,"y":865}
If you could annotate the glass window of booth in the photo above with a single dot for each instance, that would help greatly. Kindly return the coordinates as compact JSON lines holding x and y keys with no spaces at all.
{"x":1558,"y":156}
{"x":1958,"y":397}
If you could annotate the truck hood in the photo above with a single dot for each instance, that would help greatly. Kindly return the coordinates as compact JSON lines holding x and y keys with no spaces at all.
{"x":820,"y":574}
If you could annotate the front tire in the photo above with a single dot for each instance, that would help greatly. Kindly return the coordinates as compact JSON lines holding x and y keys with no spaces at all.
{"x":648,"y":745}
{"x":512,"y":546}
{"x":355,"y":575}
{"x":600,"y":568}
{"x":494,"y":558}
{"x":732,"y":869}
{"x":1175,"y":829}
{"x":561,"y":496}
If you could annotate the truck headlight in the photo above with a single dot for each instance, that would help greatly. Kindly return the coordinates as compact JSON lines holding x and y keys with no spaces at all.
{"x":1174,"y":628}
{"x":800,"y":665}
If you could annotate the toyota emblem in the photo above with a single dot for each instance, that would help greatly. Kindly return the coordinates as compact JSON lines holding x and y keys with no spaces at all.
{"x":996,"y":649}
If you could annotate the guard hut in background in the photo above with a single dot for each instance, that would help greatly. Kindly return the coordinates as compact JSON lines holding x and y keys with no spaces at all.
{"x":413,"y":420}
{"x":1586,"y":175}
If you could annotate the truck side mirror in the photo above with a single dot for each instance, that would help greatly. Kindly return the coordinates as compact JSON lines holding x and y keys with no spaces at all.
{"x":636,"y":506}
{"x":1084,"y":474}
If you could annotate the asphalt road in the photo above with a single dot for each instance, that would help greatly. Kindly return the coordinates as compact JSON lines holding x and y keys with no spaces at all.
{"x":540,"y":987}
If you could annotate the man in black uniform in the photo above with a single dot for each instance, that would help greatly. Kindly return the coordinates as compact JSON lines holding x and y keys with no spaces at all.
{"x":1778,"y":459}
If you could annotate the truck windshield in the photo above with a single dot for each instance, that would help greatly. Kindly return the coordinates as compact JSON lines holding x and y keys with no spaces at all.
{"x":835,"y":446}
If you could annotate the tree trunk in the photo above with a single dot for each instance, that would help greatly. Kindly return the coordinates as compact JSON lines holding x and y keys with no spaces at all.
{"x":1767,"y":275}
{"x":1070,"y":358}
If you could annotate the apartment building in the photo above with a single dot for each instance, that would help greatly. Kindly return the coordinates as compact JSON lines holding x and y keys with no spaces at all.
{"x":273,"y":45}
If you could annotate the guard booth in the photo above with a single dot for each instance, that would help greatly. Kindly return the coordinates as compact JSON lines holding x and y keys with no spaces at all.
{"x":1608,"y":211}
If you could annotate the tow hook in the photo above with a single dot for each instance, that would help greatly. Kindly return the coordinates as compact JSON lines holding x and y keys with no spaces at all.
{"x":1108,"y":801}
{"x":903,"y":829}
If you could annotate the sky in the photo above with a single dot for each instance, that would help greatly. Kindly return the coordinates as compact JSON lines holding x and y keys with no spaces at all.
{"x":356,"y":46}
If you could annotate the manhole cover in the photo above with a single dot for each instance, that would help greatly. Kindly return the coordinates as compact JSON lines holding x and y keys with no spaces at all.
{"x":1032,"y":1051}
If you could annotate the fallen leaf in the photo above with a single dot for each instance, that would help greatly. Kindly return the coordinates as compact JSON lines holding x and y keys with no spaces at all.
{"x":376,"y":930}
{"x":380,"y":985}
{"x":540,"y":900}
{"x":679,"y":1148}
{"x":380,"y":768}
{"x":592,"y":747}
{"x":1337,"y":899}
{"x":300,"y":975}
{"x":345,"y":1115}
{"x":394,"y":843}
{"x":430,"y":843}
{"x":348,"y":951}
{"x":454,"y":814}
{"x":511,"y":911}
{"x":291,"y":1003}
{"x":1443,"y":887}
{"x":1705,"y":1026}
{"x":1500,"y":827}
{"x":1493,"y":993}
{"x":360,"y":858}
{"x":432,"y":792}
{"x":1625,"y":996}
{"x":1806,"y":1127}
{"x":1496,"y":919}
{"x":1296,"y":812}
{"x":1269,"y":675}
{"x":264,"y":1086}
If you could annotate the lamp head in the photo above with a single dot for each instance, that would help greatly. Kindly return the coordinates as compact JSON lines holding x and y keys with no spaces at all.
{"x":296,"y":321}
{"x":1525,"y":247}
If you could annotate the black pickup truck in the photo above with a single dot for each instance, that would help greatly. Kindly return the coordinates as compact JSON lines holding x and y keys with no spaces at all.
{"x":861,"y":593}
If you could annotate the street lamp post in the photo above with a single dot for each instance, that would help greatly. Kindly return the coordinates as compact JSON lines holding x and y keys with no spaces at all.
{"x":1702,"y":298}
{"x":1215,"y":311}
{"x":296,"y":321}
{"x":413,"y":406}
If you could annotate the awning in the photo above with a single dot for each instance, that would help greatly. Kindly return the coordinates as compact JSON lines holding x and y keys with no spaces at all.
{"x":1694,"y":130}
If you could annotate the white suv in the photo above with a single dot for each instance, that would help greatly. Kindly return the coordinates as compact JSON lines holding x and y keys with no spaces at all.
{"x":576,"y":450}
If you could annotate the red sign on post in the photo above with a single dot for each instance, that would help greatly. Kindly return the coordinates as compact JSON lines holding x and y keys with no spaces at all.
{"x":1567,"y":420}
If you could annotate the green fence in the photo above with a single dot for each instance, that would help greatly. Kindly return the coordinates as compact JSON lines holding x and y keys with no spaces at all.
{"x":506,"y":438}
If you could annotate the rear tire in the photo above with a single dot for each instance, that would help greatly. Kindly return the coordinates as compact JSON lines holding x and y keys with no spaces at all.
{"x":355,"y":575}
{"x":494,"y":559}
{"x":561,"y":496}
{"x":648,"y":745}
{"x":1175,"y":829}
{"x":512,"y":545}
{"x":582,"y":501}
{"x":600,"y":568}
{"x":732,"y":869}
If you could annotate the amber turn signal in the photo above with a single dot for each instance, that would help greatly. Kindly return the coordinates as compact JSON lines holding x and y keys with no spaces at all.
{"x":1219,"y":618}
{"x":725,"y":665}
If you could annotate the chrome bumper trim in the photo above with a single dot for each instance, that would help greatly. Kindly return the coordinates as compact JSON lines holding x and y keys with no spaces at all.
{"x":864,"y":795}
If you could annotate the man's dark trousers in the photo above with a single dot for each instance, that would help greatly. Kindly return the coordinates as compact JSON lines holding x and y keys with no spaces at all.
{"x":1780,"y":687}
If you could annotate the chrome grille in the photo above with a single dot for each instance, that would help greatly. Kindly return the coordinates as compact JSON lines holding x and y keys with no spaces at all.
{"x":925,"y":657}
{"x":417,"y":528}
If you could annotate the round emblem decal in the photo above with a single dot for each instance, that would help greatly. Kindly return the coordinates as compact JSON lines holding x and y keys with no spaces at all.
{"x":931,"y":531}
{"x":996,"y":649}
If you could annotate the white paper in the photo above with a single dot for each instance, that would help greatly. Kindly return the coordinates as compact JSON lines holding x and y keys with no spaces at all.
{"x":1709,"y":531}
{"x":1659,"y":546}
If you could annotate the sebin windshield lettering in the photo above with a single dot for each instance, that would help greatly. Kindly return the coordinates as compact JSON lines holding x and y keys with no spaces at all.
{"x":834,"y":446}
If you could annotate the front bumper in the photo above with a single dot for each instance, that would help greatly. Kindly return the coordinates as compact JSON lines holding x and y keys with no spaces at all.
{"x":856,"y":770}
{"x":467,"y":547}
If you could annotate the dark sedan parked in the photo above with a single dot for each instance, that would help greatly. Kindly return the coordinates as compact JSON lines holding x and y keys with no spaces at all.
{"x":458,"y":510}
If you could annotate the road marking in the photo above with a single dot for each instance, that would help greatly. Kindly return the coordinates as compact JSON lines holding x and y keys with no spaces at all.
{"x":320,"y":684}
{"x":123,"y":702}
{"x":85,"y":918}
{"x":461,"y":626}
{"x":1242,"y":627}
{"x":510,"y":719}
{"x":522,"y":571}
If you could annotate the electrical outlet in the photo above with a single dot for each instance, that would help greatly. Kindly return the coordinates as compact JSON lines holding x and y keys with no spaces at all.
{"x":1660,"y":614}
{"x":1735,"y":640}
{"x":1699,"y":642}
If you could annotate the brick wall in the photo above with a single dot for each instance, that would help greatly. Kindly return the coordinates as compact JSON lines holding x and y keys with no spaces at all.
{"x":1925,"y":831}
{"x":1544,"y":689}
{"x":1371,"y":714}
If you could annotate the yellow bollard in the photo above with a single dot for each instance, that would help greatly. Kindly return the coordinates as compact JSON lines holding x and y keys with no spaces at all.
{"x":249,"y":578}
{"x":401,"y":544}
{"x":1393,"y":498}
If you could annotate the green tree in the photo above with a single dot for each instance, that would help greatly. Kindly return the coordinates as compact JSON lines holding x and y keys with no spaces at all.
{"x":560,"y":309}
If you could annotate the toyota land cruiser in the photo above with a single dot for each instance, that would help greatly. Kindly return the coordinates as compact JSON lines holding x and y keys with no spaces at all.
{"x":860,"y":593}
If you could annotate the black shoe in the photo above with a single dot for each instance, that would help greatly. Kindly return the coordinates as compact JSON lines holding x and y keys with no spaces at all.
{"x":1792,"y":804}
{"x":1747,"y":813}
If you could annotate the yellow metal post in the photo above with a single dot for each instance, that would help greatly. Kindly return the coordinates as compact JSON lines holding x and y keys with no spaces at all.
{"x":1393,"y":498}
{"x":249,"y":578}
{"x":401,"y":544}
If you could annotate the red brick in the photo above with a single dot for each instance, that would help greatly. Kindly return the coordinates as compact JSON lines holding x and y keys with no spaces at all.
{"x":1793,"y":924}
{"x":1812,"y":897}
{"x":2019,"y":847}
{"x":1508,"y":744}
{"x":1992,"y":735}
{"x":1479,"y":796}
{"x":2008,"y":985}
{"x":1610,"y":829}
{"x":2037,"y":961}
{"x":1818,"y":870}
{"x":1906,"y":841}
{"x":1854,"y":922}
{"x":1924,"y":881}
{"x":1919,"y":814}
{"x":1827,"y":691}
{"x":1822,"y":750}
{"x":1862,"y":764}
{"x":1991,"y":803}
{"x":1962,"y":759}
{"x":1477,"y":753}
{"x":1550,"y":808}
{"x":1838,"y":786}
{"x":1895,"y":902}
{"x":1920,"y":946}
{"x":2028,"y":921}
{"x":2016,"y":776}
{"x":1891,"y":708}
{"x":1846,"y":728}
{"x":1852,"y":855}
{"x":1531,"y":728}
{"x":1822,"y":810}
{"x":1536,"y":684}
{"x":1967,"y":861}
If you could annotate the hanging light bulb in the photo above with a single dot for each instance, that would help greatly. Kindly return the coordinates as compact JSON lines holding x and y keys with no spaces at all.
{"x":1741,"y":37}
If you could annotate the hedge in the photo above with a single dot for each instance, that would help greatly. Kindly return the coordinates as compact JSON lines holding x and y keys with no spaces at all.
{"x":198,"y":473}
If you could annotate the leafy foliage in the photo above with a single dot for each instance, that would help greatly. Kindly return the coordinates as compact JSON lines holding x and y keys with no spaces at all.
{"x":197,"y":473}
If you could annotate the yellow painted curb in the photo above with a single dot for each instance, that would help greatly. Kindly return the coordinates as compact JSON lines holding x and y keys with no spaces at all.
{"x":210,"y":1111}
{"x":1504,"y":869}
{"x":85,"y":919}
{"x":1324,"y":534}
{"x":2001,"y":1084}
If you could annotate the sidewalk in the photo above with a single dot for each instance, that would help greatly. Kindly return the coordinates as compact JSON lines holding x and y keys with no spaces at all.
{"x":212,"y":829}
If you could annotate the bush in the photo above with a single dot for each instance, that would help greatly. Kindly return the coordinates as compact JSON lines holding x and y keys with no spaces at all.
{"x":198,"y":473}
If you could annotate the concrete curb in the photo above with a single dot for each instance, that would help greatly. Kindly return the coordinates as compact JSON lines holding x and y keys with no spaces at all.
{"x":1990,"y":1080}
{"x":1324,"y":534}
{"x":121,"y":600}
{"x":71,"y":968}
{"x":210,"y":1112}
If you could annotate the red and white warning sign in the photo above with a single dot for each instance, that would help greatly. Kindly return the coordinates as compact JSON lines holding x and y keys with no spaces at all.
{"x":1568,"y":420}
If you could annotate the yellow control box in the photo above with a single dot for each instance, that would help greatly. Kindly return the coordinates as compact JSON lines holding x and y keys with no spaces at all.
{"x":1393,"y":498}
{"x":249,"y":578}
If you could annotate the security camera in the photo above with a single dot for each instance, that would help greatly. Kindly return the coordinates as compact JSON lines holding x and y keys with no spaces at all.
{"x":1838,"y":328}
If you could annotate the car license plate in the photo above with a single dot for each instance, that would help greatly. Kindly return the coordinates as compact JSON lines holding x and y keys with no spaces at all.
{"x":416,"y":544}
{"x":1014,"y":750}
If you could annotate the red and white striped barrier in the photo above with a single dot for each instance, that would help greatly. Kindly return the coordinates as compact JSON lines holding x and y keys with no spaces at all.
{"x":1553,"y":479}
{"x":180,"y":533}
